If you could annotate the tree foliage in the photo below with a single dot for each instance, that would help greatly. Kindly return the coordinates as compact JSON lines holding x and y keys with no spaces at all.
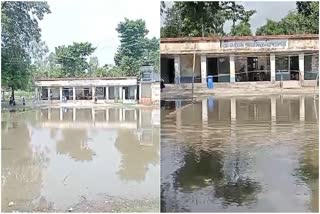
{"x":202,"y":18}
{"x":20,"y":37}
{"x":241,"y":29}
{"x":304,"y":20}
{"x":135,"y":48}
{"x":73,"y":58}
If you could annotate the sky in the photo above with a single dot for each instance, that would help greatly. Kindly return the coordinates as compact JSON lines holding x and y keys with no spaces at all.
{"x":274,"y":10}
{"x":95,"y":21}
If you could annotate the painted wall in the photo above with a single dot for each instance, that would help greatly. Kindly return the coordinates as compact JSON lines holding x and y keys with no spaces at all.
{"x":186,"y":68}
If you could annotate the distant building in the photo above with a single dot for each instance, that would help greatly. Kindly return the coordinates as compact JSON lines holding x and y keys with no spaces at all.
{"x":292,"y":59}
{"x":105,"y":89}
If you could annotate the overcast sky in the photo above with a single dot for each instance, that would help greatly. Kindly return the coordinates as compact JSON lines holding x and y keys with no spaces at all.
{"x":95,"y":21}
{"x":274,"y":10}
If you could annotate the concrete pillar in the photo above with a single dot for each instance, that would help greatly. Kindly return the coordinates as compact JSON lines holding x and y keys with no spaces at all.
{"x":60,"y":94}
{"x":140,"y":91}
{"x":233,"y":108}
{"x":232,"y":69}
{"x":93,"y":114}
{"x":301,"y":66}
{"x":37,"y":94}
{"x":120,"y":92}
{"x":107,"y":93}
{"x":49,"y":92}
{"x":302,"y":108}
{"x":273,"y":108}
{"x":74,"y":93}
{"x":135,"y":93}
{"x":74,"y":114}
{"x":123,"y":94}
{"x":203,"y":69}
{"x":204,"y":111}
{"x":272,"y":67}
{"x":93,"y":92}
{"x":177,"y":69}
{"x":61,"y":114}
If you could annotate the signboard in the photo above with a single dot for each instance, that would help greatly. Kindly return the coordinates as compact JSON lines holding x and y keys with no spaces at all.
{"x":283,"y":43}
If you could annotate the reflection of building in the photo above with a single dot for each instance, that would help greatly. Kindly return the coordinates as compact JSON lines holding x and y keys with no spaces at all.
{"x":266,"y":59}
{"x":117,"y":89}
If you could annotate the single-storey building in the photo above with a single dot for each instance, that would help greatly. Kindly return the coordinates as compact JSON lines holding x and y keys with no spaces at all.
{"x":269,"y":59}
{"x":106,"y":89}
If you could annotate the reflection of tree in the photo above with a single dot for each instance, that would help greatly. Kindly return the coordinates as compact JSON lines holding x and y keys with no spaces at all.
{"x":308,"y":172}
{"x":22,"y":167}
{"x":206,"y":169}
{"x":135,"y":157}
{"x":74,"y":144}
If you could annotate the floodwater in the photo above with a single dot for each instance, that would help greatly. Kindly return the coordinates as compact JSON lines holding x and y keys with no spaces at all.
{"x":86,"y":159}
{"x":240,"y":155}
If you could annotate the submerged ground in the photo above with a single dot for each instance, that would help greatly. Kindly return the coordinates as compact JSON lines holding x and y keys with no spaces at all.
{"x":87,"y":160}
{"x":235,"y":154}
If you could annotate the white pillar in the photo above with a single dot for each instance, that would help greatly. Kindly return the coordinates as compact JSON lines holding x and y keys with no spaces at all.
{"x":60,"y":94}
{"x":301,"y":66}
{"x":74,"y":114}
{"x":123,"y":94}
{"x":37,"y":94}
{"x":107,"y":93}
{"x":74,"y":93}
{"x":49,"y":92}
{"x":203,"y":69}
{"x":177,"y":69}
{"x":233,"y":109}
{"x":302,"y":108}
{"x":135,"y":114}
{"x":272,"y":67}
{"x":120,"y":92}
{"x":93,"y":92}
{"x":140,"y":92}
{"x":204,"y":111}
{"x":61,"y":114}
{"x":232,"y":69}
{"x":135,"y":93}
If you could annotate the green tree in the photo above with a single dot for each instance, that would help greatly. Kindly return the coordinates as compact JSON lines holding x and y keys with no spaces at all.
{"x":135,"y":49}
{"x":20,"y":33}
{"x":93,"y":66}
{"x":73,"y":58}
{"x":241,"y":29}
{"x":201,"y":18}
{"x":304,"y":20}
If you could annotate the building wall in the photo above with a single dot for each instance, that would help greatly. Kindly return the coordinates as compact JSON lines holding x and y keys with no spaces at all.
{"x":186,"y":67}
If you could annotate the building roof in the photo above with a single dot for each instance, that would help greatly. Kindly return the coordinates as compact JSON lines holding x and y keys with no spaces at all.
{"x":233,"y":38}
{"x":83,"y":78}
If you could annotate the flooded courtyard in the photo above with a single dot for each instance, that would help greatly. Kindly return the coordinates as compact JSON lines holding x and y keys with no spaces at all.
{"x":250,"y":154}
{"x":82,"y":160}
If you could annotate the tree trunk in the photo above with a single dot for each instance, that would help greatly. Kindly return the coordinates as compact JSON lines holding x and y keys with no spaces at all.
{"x":12,"y":92}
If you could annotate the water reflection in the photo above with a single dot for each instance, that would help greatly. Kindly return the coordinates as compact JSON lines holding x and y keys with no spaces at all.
{"x":53,"y":158}
{"x":240,"y":154}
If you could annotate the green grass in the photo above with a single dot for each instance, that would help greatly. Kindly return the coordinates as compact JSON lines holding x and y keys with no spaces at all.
{"x":18,"y":95}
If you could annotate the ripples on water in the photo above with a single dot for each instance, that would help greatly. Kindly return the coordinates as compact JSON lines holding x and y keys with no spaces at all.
{"x":248,"y":154}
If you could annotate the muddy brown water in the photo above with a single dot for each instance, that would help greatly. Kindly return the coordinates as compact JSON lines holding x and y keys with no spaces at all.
{"x":57,"y":159}
{"x":240,"y":155}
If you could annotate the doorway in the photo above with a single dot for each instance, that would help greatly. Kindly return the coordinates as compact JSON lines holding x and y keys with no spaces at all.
{"x":167,"y":70}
